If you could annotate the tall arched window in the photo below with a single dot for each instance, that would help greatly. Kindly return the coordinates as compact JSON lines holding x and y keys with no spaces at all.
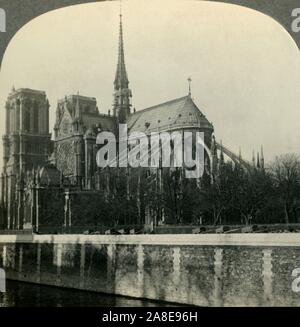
{"x":35,"y":118}
{"x":27,"y":120}
{"x":11,"y":118}
{"x":18,"y":115}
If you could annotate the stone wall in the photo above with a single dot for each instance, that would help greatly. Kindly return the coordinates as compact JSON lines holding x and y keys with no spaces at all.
{"x":205,"y":270}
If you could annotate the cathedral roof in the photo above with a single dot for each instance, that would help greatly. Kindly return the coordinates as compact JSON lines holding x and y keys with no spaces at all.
{"x":106,"y":123}
{"x":171,"y":115}
{"x":27,"y":91}
{"x":83,"y":109}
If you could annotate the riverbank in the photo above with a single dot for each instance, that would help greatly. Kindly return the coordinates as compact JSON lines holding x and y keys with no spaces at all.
{"x":200,"y":269}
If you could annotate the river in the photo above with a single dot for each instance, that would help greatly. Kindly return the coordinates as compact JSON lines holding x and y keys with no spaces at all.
{"x":19,"y":294}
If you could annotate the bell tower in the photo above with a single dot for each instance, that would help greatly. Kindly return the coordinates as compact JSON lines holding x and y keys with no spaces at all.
{"x":26,"y":145}
{"x":26,"y":142}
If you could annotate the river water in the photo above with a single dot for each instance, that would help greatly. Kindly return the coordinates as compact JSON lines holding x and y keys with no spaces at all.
{"x":19,"y":294}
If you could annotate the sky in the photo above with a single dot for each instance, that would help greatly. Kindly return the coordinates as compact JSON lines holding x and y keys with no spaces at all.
{"x":244,"y":65}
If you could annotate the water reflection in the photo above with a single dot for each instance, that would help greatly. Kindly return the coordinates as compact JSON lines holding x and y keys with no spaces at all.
{"x":31,"y":295}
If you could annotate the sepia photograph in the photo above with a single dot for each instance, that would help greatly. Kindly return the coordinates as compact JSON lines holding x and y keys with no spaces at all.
{"x":150,"y":156}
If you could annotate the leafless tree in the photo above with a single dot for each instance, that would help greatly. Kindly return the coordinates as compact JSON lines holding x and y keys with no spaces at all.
{"x":285,"y":171}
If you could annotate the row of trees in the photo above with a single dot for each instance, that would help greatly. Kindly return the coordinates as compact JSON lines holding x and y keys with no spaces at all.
{"x":234,"y":195}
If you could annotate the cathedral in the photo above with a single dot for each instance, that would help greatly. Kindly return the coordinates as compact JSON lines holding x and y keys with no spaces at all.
{"x":52,"y":184}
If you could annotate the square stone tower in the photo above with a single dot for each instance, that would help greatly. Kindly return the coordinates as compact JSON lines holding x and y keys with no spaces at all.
{"x":26,"y":145}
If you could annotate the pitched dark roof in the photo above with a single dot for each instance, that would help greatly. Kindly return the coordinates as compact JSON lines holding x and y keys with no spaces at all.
{"x":107,"y":123}
{"x":85,"y":109}
{"x":175,"y":114}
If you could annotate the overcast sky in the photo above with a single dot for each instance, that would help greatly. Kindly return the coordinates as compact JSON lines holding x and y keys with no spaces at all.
{"x":244,"y":65}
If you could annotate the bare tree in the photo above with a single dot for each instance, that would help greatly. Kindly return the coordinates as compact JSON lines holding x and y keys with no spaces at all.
{"x":249,"y":192}
{"x":215,"y":195}
{"x":285,"y":170}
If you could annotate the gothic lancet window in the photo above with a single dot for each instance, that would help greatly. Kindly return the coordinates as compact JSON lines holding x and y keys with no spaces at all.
{"x":35,"y":118}
{"x":27,"y":120}
{"x":18,"y":115}
{"x":11,"y":120}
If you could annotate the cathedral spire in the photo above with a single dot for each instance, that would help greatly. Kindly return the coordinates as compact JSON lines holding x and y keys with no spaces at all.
{"x":122,"y":94}
{"x":121,"y":79}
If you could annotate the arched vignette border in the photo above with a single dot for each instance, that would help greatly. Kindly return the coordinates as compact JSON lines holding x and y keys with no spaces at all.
{"x":20,"y":12}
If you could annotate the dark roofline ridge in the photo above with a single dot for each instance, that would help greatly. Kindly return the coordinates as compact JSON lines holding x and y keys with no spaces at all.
{"x":160,"y":104}
{"x":80,"y":96}
{"x":29,"y":90}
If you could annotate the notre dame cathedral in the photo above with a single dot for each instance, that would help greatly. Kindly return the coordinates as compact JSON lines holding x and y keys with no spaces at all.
{"x":55,"y":185}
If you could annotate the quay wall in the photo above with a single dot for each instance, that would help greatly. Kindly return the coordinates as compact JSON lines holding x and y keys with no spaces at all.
{"x":199,"y":269}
